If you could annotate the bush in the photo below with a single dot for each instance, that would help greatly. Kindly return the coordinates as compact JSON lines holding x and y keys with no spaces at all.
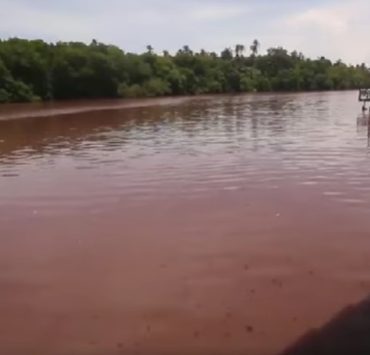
{"x":4,"y":96}
{"x":20,"y":92}
{"x":131,"y":91}
{"x":247,"y":85}
{"x":156,"y":87}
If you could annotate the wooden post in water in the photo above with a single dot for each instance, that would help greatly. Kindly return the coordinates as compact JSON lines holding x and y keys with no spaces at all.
{"x":364,"y":96}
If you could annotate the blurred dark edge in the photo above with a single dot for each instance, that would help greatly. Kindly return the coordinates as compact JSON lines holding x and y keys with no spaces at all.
{"x":348,"y":333}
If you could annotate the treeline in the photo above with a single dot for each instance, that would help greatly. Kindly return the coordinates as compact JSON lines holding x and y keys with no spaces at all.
{"x":36,"y":70}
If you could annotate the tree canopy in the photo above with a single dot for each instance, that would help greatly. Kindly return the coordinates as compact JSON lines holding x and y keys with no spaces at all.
{"x":36,"y":70}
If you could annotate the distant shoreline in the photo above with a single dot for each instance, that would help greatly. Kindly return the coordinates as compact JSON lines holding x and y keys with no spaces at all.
{"x":59,"y":107}
{"x":34,"y":71}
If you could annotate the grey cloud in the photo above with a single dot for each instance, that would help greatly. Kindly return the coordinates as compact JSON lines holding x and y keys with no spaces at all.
{"x":331,"y":28}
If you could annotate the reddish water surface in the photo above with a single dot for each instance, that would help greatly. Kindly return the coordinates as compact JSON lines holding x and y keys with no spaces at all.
{"x":213,"y":225}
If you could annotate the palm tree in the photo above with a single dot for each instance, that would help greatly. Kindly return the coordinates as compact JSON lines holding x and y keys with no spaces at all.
{"x":239,"y":50}
{"x":150,"y":49}
{"x":203,"y":53}
{"x":254,"y":47}
{"x":186,"y":50}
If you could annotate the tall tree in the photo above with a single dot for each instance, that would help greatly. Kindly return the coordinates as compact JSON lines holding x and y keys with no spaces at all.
{"x":239,"y":50}
{"x":254,"y":47}
{"x":149,"y":49}
{"x":227,"y":54}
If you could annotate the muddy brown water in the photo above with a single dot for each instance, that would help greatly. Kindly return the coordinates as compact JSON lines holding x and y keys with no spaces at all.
{"x":212,"y":225}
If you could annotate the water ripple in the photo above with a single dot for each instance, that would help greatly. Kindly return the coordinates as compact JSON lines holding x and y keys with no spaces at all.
{"x":223,"y":143}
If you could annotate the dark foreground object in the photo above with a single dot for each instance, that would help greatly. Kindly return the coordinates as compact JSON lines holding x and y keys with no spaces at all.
{"x":347,"y":334}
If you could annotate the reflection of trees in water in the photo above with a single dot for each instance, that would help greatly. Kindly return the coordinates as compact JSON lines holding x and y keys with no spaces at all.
{"x":51,"y":134}
{"x":348,"y":333}
{"x":248,"y":120}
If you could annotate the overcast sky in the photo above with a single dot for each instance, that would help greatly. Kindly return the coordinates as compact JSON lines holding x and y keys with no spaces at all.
{"x":333,"y":28}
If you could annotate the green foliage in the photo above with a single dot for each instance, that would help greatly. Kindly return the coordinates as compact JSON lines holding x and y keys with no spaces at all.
{"x":33,"y":70}
{"x":151,"y":88}
{"x":12,"y":90}
{"x":156,"y":87}
{"x":130,"y":91}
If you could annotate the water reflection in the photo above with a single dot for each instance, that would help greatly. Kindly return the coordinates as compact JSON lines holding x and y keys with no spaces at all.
{"x":222,"y":142}
{"x":225,"y":141}
{"x":224,"y":118}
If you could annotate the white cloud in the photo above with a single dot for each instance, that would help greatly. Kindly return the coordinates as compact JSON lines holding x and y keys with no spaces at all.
{"x":333,"y":20}
{"x":20,"y":20}
{"x":336,"y":31}
{"x":219,"y":12}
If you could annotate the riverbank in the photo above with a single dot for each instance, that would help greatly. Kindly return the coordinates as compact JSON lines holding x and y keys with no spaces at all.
{"x":10,"y":111}
{"x":60,"y":108}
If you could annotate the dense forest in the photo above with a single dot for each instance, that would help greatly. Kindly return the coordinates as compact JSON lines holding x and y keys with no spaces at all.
{"x":36,"y":70}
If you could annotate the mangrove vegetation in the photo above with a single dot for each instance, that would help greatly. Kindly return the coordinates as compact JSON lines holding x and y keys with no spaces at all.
{"x":35,"y":70}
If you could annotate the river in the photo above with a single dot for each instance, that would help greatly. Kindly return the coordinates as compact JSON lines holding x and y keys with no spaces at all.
{"x":210,"y":225}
